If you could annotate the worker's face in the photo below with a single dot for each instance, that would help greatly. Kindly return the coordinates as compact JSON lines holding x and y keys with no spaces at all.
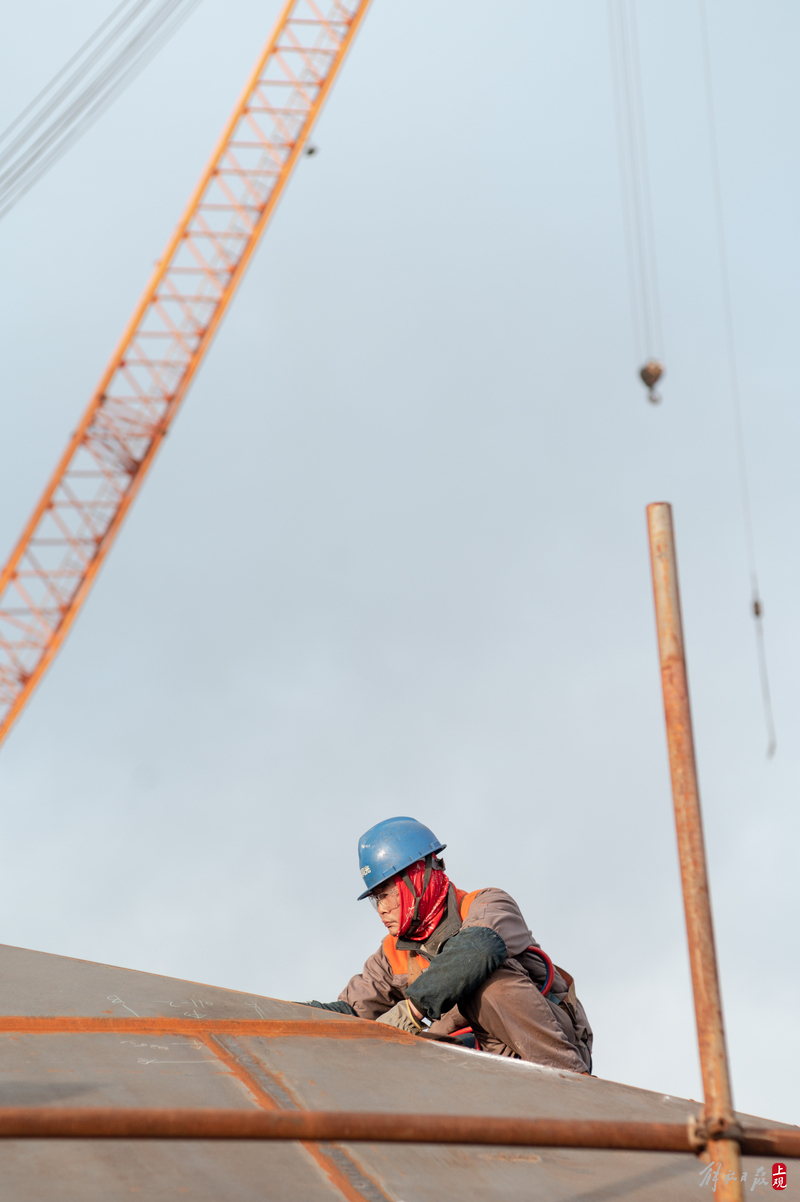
{"x":386,"y":900}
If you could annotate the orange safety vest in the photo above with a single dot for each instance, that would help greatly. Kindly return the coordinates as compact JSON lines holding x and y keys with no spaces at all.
{"x":399,"y":959}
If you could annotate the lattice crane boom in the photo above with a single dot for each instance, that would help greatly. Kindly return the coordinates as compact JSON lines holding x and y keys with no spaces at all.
{"x":71,"y":530}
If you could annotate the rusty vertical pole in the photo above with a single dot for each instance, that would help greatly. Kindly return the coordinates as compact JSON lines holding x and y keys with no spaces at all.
{"x":718,"y":1114}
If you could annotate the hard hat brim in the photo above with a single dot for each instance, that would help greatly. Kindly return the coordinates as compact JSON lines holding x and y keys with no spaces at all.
{"x":396,"y":872}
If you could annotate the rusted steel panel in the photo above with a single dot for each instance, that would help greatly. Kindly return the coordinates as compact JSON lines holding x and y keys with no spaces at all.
{"x":115,"y":1070}
{"x":331,"y":1075}
{"x":291,"y":1067}
{"x":37,"y":984}
{"x":124,"y":1171}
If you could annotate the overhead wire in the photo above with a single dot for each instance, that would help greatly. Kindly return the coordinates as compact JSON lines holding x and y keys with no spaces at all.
{"x":735,"y":391}
{"x":27,"y":159}
{"x":637,"y":205}
{"x":82,"y":53}
{"x":83,"y":89}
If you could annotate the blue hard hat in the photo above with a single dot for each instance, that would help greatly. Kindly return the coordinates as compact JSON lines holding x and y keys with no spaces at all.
{"x":391,"y":846}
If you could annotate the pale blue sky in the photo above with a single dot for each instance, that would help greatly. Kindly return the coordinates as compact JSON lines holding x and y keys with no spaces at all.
{"x":393,"y":556}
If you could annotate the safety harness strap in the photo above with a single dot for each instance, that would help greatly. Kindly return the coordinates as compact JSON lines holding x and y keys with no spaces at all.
{"x":399,"y":957}
{"x":412,"y":926}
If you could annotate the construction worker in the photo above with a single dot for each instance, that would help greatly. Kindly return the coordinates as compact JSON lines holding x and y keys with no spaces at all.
{"x":455,"y":960}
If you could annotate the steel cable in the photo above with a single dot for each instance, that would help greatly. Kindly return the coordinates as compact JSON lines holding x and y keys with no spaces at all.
{"x":88,"y":55}
{"x":82,"y":90}
{"x":735,"y":392}
{"x":637,"y":204}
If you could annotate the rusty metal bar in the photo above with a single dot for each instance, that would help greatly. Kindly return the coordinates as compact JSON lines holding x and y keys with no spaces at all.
{"x":344,"y":1028}
{"x":718,"y":1115}
{"x":57,"y":1122}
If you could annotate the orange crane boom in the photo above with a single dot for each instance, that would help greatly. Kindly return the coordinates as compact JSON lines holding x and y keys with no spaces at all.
{"x":71,"y":530}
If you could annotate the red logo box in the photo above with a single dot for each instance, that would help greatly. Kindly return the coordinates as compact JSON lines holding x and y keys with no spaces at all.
{"x":779,"y":1176}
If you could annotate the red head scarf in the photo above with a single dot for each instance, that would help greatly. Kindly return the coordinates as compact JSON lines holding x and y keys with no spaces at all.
{"x":432,"y":903}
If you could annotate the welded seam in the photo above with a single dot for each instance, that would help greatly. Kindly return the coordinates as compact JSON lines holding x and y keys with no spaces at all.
{"x":338,"y":1165}
{"x":248,"y":1070}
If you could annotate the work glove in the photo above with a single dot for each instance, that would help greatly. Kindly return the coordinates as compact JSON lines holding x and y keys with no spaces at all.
{"x":461,"y":966}
{"x":339,"y":1007}
{"x":400,"y":1016}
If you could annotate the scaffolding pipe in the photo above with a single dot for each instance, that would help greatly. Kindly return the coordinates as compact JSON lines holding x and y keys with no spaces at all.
{"x":79,"y":1122}
{"x":718,"y":1118}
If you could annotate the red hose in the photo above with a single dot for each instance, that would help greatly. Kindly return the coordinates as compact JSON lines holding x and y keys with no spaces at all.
{"x":548,"y":963}
{"x":467,"y":1031}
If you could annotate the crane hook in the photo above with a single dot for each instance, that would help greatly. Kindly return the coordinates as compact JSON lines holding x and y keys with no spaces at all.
{"x":651,"y":373}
